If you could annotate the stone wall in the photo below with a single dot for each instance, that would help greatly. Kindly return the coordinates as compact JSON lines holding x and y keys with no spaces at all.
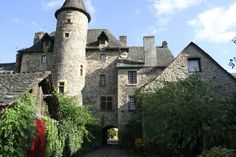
{"x":144,"y":75}
{"x":93,"y":90}
{"x":69,"y":51}
{"x":31,"y":62}
{"x":211,"y":72}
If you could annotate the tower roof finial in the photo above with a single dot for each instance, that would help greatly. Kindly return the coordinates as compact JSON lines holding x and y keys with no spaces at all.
{"x":77,"y":5}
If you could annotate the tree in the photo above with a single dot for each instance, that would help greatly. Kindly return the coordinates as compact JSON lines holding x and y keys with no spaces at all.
{"x":232,"y":61}
{"x":111,"y":133}
{"x":185,"y":118}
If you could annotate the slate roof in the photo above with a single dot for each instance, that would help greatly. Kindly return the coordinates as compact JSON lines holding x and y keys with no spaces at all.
{"x":38,"y":47}
{"x":92,"y":41}
{"x":136,"y":55}
{"x":7,"y":67}
{"x":74,"y":5}
{"x":12,"y":86}
{"x":93,"y":34}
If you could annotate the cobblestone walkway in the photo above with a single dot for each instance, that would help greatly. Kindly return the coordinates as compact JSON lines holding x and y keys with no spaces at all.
{"x":109,"y":151}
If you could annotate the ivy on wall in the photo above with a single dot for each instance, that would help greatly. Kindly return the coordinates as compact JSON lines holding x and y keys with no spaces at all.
{"x":17,"y":128}
{"x":64,"y":138}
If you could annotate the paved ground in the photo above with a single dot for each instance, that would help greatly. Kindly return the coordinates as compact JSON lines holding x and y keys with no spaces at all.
{"x":109,"y":151}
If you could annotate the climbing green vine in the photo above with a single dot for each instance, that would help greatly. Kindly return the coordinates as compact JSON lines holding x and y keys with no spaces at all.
{"x":17,"y":127}
{"x":66,"y":136}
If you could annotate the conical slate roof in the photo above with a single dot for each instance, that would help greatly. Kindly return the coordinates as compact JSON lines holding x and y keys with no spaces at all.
{"x":77,"y":5}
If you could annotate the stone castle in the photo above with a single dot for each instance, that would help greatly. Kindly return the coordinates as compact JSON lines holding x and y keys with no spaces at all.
{"x":105,"y":72}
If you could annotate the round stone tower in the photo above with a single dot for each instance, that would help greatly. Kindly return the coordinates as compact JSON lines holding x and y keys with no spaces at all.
{"x":70,"y":47}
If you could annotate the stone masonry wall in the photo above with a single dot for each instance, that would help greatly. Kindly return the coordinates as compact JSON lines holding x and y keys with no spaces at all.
{"x":31,"y":62}
{"x":144,"y":75}
{"x":210,"y":72}
{"x":93,"y":90}
{"x":70,"y":51}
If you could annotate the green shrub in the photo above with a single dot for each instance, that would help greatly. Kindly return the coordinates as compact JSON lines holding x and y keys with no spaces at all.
{"x":66,"y":136}
{"x":216,"y":152}
{"x":111,"y":133}
{"x":17,"y":128}
{"x":185,"y":117}
{"x":53,"y":142}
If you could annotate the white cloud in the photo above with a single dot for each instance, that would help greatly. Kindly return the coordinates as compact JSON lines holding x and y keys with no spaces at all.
{"x":15,"y":20}
{"x":231,"y":70}
{"x":169,"y":7}
{"x":90,"y":7}
{"x":55,"y":4}
{"x":52,"y":4}
{"x":216,"y":25}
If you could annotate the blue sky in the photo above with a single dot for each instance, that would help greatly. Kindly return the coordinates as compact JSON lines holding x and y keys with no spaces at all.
{"x":209,"y":23}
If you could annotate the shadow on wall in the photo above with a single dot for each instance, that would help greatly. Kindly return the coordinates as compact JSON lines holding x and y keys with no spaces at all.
{"x":93,"y":90}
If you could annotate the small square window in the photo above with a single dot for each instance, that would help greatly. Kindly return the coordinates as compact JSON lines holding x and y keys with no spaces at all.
{"x":68,"y":21}
{"x":102,"y":80}
{"x":132,"y":103}
{"x":194,"y":65}
{"x":132,"y":77}
{"x":44,"y":59}
{"x":67,"y":35}
{"x":103,"y":58}
{"x":61,"y":87}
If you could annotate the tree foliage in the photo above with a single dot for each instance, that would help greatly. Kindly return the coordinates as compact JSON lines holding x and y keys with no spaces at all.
{"x":186,"y":117}
{"x":65,"y":137}
{"x":111,"y":133}
{"x":216,"y":152}
{"x":232,"y":61}
{"x":17,"y":128}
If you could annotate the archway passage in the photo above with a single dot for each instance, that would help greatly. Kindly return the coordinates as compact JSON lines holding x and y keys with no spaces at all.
{"x":110,"y":135}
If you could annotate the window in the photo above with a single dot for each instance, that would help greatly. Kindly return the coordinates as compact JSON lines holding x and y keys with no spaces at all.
{"x":106,"y":103}
{"x":67,"y":35}
{"x":194,"y":65}
{"x":132,"y":77}
{"x":102,"y":80}
{"x":44,"y":59}
{"x":61,"y":87}
{"x":103,"y":58}
{"x":81,"y":70}
{"x":47,"y":43}
{"x":68,"y":21}
{"x":132,"y":103}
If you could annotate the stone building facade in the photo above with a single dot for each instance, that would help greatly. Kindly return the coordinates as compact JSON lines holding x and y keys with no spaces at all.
{"x":195,"y":61}
{"x":103,"y":70}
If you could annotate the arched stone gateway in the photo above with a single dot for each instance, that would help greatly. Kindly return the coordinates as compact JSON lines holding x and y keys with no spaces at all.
{"x":110,"y":135}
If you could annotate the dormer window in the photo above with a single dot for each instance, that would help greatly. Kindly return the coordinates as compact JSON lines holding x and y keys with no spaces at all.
{"x":47,"y":43}
{"x":103,"y":39}
{"x":103,"y":58}
{"x":43,"y":59}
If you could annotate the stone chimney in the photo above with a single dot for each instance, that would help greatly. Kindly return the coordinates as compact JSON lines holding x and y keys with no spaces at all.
{"x":123,"y":40}
{"x":150,"y":54}
{"x":164,"y":44}
{"x":38,"y":36}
